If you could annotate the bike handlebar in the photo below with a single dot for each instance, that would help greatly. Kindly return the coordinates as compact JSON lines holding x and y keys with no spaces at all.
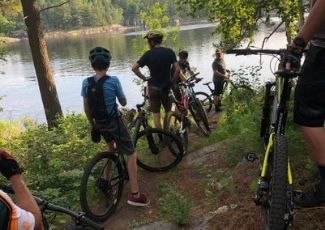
{"x":46,"y":205}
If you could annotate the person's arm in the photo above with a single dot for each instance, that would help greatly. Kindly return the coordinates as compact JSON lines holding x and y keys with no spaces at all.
{"x":88,"y":112}
{"x":10,"y":168}
{"x":25,"y":200}
{"x":120,"y":94}
{"x":219,"y":74}
{"x":177,"y":72}
{"x":314,"y":22}
{"x":136,"y":70}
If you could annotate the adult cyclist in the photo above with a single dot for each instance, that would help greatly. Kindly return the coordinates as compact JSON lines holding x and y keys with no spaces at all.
{"x":309,"y":109}
{"x":25,"y":214}
{"x":160,"y":60}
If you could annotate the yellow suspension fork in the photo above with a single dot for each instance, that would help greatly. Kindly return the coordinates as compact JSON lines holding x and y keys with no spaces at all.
{"x":266,"y":161}
{"x":267,"y":155}
{"x":290,"y":179}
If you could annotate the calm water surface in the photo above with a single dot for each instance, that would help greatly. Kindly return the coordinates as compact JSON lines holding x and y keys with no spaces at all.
{"x":69,"y":58}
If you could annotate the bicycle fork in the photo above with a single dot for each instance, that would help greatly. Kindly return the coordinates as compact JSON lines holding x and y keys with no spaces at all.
{"x":263,"y":188}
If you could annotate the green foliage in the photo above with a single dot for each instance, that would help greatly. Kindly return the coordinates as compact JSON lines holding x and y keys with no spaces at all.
{"x":239,"y":19}
{"x":53,"y":160}
{"x":79,"y":13}
{"x":175,"y":206}
{"x":155,"y":18}
{"x":216,"y":181}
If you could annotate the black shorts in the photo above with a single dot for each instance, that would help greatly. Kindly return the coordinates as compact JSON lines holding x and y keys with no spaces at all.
{"x":309,"y":106}
{"x":115,"y":130}
{"x":218,"y":86}
{"x":158,"y":97}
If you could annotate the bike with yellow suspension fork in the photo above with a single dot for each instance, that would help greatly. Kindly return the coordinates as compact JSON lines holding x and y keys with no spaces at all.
{"x":275,"y":186}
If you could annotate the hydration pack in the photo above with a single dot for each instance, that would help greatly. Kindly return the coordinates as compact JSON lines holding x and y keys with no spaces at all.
{"x":96,"y":100}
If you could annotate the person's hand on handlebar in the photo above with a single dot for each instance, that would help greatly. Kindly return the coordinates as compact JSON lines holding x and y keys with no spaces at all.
{"x":8,"y":165}
{"x":291,"y":58}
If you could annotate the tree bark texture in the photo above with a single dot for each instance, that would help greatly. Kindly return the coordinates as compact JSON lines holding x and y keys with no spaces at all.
{"x":41,"y":61}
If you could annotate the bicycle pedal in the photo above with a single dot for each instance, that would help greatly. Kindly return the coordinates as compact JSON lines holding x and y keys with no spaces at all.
{"x":251,"y":157}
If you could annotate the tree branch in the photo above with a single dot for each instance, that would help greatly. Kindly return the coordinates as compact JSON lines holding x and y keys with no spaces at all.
{"x":50,"y":7}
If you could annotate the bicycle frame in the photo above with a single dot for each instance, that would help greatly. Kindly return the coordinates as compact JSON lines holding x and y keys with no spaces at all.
{"x":181,"y":105}
{"x":278,"y":121}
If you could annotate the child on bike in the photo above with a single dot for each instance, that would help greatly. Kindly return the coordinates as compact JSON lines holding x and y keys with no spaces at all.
{"x":185,"y":69}
{"x":99,"y":94}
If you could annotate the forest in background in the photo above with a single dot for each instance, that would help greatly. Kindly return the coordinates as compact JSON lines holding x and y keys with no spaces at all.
{"x":76,"y":14}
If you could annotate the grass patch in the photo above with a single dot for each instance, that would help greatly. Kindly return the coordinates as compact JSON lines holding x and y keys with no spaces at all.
{"x":175,"y":207}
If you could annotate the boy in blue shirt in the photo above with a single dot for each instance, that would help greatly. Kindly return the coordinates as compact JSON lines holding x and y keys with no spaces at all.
{"x":99,"y":94}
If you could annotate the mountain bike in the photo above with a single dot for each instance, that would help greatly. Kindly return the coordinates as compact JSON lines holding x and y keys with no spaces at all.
{"x":275,"y":186}
{"x":104,"y":175}
{"x":80,"y":220}
{"x":234,"y":89}
{"x":193,"y":104}
{"x":178,"y":121}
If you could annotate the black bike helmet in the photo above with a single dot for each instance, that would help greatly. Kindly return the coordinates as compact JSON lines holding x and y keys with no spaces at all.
{"x":100,"y":54}
{"x":183,"y":54}
{"x":100,"y":58}
{"x":154,"y":34}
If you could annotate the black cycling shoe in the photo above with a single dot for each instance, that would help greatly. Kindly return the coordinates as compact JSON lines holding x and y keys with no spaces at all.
{"x":311,"y":199}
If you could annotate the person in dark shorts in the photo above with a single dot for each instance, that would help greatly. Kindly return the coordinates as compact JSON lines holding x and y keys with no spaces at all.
{"x":160,"y":61}
{"x":99,"y":94}
{"x":309,"y":106}
{"x":219,"y":77}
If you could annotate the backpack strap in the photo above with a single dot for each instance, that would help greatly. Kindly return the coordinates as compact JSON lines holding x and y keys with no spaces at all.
{"x":5,"y":213}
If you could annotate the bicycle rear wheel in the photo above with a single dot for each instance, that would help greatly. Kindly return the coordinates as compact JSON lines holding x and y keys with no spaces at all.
{"x":206,"y":100}
{"x":173,"y":122}
{"x":241,"y":93}
{"x":199,"y":116}
{"x":101,"y":186}
{"x":158,"y":149}
{"x":277,"y":208}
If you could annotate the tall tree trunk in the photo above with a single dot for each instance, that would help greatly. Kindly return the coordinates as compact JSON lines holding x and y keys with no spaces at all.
{"x":41,"y":62}
{"x":301,"y":13}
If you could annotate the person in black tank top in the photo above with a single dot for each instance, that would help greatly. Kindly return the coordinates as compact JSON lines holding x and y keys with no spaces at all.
{"x":309,"y":105}
{"x":159,"y":60}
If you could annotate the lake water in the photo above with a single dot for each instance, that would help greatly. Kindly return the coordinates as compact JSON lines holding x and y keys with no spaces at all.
{"x":69,"y":59}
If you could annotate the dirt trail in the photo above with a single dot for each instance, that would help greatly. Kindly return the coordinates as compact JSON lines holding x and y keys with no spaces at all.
{"x":229,"y":207}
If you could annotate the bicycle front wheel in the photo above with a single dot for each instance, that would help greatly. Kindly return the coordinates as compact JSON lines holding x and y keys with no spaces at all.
{"x":173,"y":122}
{"x":206,"y":100}
{"x":199,"y":116}
{"x":158,"y":150}
{"x":101,"y":186}
{"x":277,"y":208}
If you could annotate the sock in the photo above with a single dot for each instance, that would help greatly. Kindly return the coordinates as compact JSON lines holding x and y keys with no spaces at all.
{"x":322,"y":174}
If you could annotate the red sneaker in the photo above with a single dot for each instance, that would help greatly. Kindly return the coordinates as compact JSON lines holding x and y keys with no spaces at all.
{"x":138,"y":200}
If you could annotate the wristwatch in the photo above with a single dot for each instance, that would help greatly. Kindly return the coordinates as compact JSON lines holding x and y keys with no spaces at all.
{"x":300,"y":42}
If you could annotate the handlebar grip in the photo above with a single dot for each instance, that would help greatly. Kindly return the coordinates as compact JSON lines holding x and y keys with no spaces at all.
{"x":91,"y":223}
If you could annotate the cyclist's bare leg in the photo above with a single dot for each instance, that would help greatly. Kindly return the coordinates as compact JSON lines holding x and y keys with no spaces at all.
{"x":111,"y":148}
{"x":315,"y":138}
{"x":156,"y":120}
{"x":132,"y":170}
